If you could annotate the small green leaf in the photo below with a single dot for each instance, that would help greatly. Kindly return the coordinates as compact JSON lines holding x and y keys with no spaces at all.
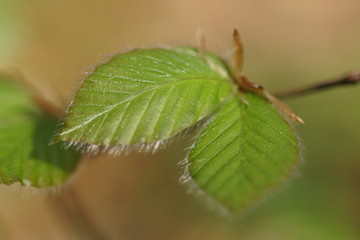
{"x":25,"y":154}
{"x":147,"y":96}
{"x":144,"y":96}
{"x":245,"y":151}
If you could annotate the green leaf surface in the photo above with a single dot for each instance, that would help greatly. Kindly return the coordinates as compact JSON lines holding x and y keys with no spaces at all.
{"x":245,"y":151}
{"x":144,"y":96}
{"x":25,"y":154}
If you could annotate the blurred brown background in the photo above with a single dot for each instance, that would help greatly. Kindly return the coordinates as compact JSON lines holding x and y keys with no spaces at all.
{"x":288,"y":44}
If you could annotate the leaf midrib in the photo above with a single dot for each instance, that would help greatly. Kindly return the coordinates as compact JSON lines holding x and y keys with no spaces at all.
{"x":111,"y":107}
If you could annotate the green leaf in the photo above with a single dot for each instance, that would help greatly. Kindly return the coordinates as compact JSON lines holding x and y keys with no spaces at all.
{"x":25,"y":154}
{"x":245,"y":151}
{"x":144,"y":96}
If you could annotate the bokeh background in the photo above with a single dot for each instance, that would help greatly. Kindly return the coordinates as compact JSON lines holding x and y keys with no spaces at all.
{"x":137,"y":196}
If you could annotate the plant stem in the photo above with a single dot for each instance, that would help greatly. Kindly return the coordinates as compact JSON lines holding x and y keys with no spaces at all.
{"x":351,"y":78}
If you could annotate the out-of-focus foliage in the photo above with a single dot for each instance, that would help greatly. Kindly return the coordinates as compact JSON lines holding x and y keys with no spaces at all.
{"x":25,"y":132}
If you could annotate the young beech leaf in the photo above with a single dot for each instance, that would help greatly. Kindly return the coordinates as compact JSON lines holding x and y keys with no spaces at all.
{"x":25,"y":154}
{"x":245,"y":151}
{"x":144,"y":96}
{"x":246,"y":148}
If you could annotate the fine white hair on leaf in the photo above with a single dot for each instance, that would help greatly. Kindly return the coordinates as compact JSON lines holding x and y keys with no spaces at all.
{"x":27,"y":190}
{"x":194,"y":188}
{"x":191,"y":185}
{"x":115,"y":149}
{"x":301,"y":146}
{"x":26,"y":183}
{"x":143,"y":147}
{"x":302,"y":149}
{"x":94,"y":149}
{"x":218,"y":69}
{"x":293,"y":173}
{"x":90,"y":69}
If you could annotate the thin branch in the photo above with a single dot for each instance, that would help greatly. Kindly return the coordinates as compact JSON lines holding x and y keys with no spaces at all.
{"x":351,"y":78}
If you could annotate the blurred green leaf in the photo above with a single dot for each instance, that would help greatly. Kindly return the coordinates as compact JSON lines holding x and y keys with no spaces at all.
{"x":25,"y":154}
{"x":244,"y":152}
{"x":144,"y":96}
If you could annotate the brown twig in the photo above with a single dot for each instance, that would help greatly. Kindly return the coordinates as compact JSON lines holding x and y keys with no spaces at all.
{"x":351,"y":78}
